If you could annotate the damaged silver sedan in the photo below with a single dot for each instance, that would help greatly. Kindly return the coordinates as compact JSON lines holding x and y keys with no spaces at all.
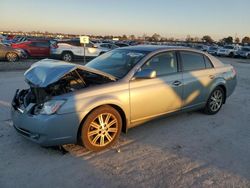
{"x":68,"y":103}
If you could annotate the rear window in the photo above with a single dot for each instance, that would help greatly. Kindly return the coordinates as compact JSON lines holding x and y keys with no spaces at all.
{"x":192,"y":61}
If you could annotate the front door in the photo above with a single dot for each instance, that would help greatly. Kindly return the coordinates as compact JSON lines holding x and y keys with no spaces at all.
{"x":153,"y":97}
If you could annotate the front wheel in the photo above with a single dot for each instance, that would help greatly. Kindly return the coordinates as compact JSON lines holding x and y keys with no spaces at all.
{"x":101,"y":128}
{"x":215,"y":101}
{"x":12,"y":57}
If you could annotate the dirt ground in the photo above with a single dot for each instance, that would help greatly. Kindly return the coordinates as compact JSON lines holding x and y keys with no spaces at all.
{"x":185,"y":150}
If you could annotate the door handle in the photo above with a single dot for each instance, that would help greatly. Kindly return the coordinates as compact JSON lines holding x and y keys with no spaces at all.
{"x":176,"y":83}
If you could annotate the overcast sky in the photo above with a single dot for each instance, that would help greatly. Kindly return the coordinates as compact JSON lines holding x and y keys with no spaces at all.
{"x":169,"y":18}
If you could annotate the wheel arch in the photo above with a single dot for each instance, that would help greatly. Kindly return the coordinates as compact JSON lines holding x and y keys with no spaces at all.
{"x":223,"y":87}
{"x":67,"y":51}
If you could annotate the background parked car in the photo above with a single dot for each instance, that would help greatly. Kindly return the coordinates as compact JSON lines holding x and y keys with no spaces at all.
{"x":15,"y":39}
{"x":10,"y":54}
{"x":121,"y":44}
{"x":106,"y":46}
{"x":212,"y":50}
{"x":244,"y":52}
{"x":72,"y":49}
{"x":2,"y":38}
{"x":34,"y":48}
{"x":228,"y":51}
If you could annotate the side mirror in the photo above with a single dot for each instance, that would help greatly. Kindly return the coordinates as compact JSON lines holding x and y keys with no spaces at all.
{"x":145,"y":74}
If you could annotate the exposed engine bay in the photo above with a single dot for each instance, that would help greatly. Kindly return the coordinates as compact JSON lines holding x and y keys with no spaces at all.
{"x":34,"y":97}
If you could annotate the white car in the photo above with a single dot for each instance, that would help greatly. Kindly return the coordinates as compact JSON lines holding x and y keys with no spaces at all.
{"x":244,"y":52}
{"x":229,"y":51}
{"x":73,"y":49}
{"x":106,"y":46}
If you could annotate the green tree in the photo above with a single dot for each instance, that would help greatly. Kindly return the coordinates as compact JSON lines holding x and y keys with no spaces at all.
{"x":246,"y":40}
{"x":132,"y":37}
{"x":228,"y":40}
{"x":207,"y":39}
{"x":156,"y":37}
{"x":237,"y":40}
{"x":124,"y":37}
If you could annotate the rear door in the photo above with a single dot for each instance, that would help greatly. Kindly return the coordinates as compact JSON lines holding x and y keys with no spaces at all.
{"x":152,"y":97}
{"x":198,"y":75}
{"x":43,"y":48}
{"x":33,"y":50}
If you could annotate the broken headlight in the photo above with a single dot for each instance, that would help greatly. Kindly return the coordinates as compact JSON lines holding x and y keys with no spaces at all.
{"x":51,"y":107}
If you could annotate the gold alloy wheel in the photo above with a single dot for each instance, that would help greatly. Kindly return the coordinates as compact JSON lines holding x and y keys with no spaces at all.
{"x":12,"y":57}
{"x":102,"y":129}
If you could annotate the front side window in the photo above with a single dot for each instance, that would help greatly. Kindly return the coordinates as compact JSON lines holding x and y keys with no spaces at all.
{"x":163,"y":64}
{"x":192,"y":61}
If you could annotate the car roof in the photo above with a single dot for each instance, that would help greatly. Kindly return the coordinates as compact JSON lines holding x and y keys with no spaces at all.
{"x":153,"y":48}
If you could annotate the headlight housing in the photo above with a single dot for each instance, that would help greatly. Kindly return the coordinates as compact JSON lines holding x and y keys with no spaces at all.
{"x":51,"y":107}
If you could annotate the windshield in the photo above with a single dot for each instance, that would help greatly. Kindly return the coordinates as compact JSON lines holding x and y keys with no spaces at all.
{"x":212,"y":48}
{"x":228,"y":47}
{"x":117,"y":62}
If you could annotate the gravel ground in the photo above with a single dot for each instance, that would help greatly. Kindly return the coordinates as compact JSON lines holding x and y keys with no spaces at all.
{"x":185,"y":150}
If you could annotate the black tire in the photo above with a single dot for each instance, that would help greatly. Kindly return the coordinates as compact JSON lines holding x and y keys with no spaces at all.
{"x":95,"y":136}
{"x":67,"y":56}
{"x":12,"y":57}
{"x":26,"y":55}
{"x":248,"y":56}
{"x":231,"y":54}
{"x":213,"y":105}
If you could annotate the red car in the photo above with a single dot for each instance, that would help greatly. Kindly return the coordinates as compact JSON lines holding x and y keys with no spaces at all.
{"x":34,"y":48}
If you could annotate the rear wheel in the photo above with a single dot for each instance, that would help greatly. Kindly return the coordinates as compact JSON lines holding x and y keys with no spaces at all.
{"x":248,"y":56}
{"x":215,"y":101}
{"x":12,"y":57}
{"x":67,"y":56}
{"x":101,"y":128}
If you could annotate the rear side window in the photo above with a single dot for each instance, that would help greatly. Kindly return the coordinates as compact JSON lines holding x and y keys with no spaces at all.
{"x":40,"y":44}
{"x":192,"y":61}
{"x":163,"y":64}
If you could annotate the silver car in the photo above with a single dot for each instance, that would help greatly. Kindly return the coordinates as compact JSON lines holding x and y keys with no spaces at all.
{"x":68,"y":103}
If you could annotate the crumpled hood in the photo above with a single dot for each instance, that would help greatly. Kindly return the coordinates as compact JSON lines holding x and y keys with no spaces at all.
{"x":49,"y":71}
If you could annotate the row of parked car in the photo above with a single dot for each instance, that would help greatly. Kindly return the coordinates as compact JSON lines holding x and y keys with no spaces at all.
{"x":70,"y":49}
{"x":67,"y":50}
{"x":227,"y":50}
